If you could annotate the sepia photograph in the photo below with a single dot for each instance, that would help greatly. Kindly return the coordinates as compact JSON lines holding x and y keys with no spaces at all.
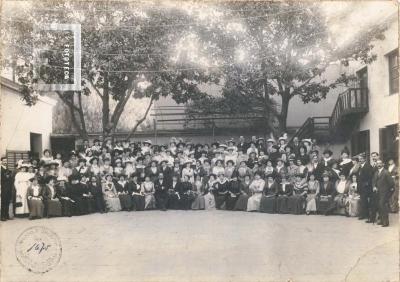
{"x":199,"y":141}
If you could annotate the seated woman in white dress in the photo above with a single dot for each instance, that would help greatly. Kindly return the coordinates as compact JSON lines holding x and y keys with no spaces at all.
{"x":148,"y":191}
{"x":353,"y":200}
{"x":110,"y":195}
{"x":209,"y":200}
{"x":339,"y":202}
{"x":257,"y":188}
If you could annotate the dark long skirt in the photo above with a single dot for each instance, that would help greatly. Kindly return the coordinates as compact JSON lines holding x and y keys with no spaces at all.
{"x":161,"y":201}
{"x":324,"y":204}
{"x":173,"y":201}
{"x":138,"y":202}
{"x":80,"y":207}
{"x":99,"y":205}
{"x":184,"y":203}
{"x":220,"y":201}
{"x":53,"y":208}
{"x":126,"y":202}
{"x":66,"y":207}
{"x":268,"y":204}
{"x":231,"y":202}
{"x":282,"y":204}
{"x":36,"y":208}
{"x":241,"y":203}
{"x":198,"y":203}
{"x":296,"y":204}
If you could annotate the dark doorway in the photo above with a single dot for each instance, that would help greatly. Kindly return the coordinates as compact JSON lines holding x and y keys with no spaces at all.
{"x":388,"y":143}
{"x":360,"y":143}
{"x":36,"y":145}
{"x":63,"y":145}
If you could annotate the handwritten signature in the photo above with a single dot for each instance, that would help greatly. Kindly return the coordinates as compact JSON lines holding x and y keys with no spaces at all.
{"x":39,"y":247}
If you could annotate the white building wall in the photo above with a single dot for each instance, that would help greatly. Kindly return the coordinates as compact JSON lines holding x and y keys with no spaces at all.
{"x":19,"y":120}
{"x":383,"y":108}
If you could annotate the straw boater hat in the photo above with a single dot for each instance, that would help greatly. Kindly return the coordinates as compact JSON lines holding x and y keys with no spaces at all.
{"x":62,"y":178}
{"x":270,"y":140}
{"x":307,"y":141}
{"x":282,"y":138}
{"x":147,"y":142}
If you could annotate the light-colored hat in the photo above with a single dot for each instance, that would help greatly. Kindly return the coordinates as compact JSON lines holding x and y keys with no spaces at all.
{"x":148,"y":142}
{"x":62,"y":178}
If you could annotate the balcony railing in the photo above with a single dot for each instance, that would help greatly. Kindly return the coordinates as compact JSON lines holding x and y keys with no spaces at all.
{"x":353,"y":100}
{"x":313,"y":126}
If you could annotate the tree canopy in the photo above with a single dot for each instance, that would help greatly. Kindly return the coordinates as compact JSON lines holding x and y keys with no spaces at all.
{"x":255,"y":50}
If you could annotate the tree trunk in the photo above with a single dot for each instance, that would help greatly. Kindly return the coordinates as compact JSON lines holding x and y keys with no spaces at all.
{"x":284,"y":112}
{"x":105,"y":108}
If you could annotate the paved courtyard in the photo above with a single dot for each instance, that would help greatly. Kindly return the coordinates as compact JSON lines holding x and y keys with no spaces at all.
{"x":211,"y":246}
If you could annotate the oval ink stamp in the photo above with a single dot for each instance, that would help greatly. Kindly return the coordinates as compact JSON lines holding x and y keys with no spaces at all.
{"x":38,"y":249}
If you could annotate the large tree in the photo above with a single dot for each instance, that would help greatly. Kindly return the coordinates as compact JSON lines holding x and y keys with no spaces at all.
{"x":126,"y":53}
{"x":283,"y":51}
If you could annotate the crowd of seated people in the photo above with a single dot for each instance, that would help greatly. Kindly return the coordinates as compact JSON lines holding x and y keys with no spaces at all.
{"x":256,"y":176}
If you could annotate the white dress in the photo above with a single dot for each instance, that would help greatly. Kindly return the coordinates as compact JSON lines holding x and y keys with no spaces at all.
{"x":256,"y":187}
{"x":21,"y":187}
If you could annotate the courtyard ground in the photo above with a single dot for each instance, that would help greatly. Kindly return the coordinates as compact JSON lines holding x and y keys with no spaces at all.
{"x":211,"y":246}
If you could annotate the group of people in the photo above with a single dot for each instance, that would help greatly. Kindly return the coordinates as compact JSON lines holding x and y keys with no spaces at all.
{"x":271,"y":176}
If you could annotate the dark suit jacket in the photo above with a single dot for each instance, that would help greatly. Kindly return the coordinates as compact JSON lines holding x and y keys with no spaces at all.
{"x":133,"y":187}
{"x":384,"y":182}
{"x":7,"y":181}
{"x":288,"y":189}
{"x":161,"y":188}
{"x":365,"y":175}
{"x":47,"y":195}
{"x":329,"y":190}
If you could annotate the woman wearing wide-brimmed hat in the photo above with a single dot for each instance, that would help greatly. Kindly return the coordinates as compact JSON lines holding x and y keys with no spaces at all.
{"x":268,"y":200}
{"x":297,"y":201}
{"x":220,"y":189}
{"x":148,"y":191}
{"x":51,"y":197}
{"x":256,"y":188}
{"x":188,"y":171}
{"x":209,"y":199}
{"x":21,"y":183}
{"x":284,"y":192}
{"x":241,"y":203}
{"x":198,"y":191}
{"x":234,"y":191}
{"x":35,"y":199}
{"x":325,"y":194}
{"x":123,"y":193}
{"x":64,"y":195}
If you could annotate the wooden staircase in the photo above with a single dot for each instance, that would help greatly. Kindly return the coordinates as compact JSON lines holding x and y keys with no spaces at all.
{"x":350,"y":106}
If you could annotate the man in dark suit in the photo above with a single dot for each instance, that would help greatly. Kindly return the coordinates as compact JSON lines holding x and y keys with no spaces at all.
{"x":242,"y":145}
{"x":367,"y":205}
{"x":383,"y":185}
{"x":167,"y":172}
{"x":6,"y":189}
{"x":161,"y":193}
{"x":173,"y":194}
